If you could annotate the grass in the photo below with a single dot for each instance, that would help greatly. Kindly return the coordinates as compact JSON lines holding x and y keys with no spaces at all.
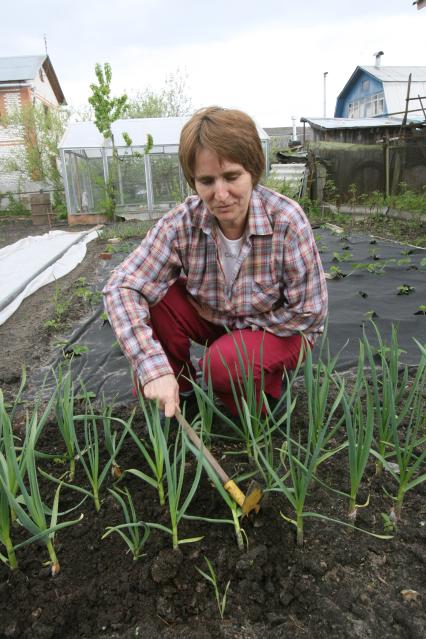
{"x":405,"y":231}
{"x":64,"y":300}
{"x":125,"y":230}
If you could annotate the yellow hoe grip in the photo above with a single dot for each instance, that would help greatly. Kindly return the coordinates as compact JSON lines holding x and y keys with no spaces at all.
{"x":236,"y":494}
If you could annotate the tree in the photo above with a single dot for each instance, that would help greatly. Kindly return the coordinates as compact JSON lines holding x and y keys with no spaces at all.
{"x":40,"y":128}
{"x":171,"y":101}
{"x":107,"y":110}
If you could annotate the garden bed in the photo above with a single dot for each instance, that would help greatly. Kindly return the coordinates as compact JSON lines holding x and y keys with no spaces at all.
{"x":340,"y":583}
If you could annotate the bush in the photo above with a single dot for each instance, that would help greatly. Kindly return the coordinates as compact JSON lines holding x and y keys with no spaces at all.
{"x":15,"y":206}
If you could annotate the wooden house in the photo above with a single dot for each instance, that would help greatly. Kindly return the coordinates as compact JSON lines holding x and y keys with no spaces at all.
{"x":373,"y":91}
{"x":24,"y":80}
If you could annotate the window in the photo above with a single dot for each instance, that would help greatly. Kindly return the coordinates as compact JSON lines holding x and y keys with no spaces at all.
{"x":12,"y":102}
{"x":355,"y":109}
{"x":367,"y":107}
{"x":375,"y":105}
{"x":41,"y":75}
{"x":365,"y":85}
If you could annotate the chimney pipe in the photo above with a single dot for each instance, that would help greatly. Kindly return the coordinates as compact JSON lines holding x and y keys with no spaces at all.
{"x":325,"y":93}
{"x":294,"y":138}
{"x":378,"y":55}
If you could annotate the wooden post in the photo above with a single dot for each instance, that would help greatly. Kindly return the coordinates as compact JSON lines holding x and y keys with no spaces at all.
{"x":407,"y":102}
{"x":387,"y":167}
{"x":41,"y":208}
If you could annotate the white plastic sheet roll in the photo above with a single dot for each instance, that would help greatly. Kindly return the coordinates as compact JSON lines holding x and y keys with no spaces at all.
{"x":35,"y":261}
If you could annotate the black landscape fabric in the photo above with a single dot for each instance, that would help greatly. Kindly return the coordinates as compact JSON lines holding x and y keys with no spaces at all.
{"x":369,"y":275}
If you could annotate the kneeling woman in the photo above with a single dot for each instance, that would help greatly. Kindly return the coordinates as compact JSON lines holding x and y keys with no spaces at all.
{"x":234,"y":267}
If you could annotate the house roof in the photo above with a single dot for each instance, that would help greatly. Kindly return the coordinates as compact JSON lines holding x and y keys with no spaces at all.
{"x":390,"y":75}
{"x":24,"y":68}
{"x":19,"y":68}
{"x":356,"y":123}
{"x":278,"y":130}
{"x":395,"y":80}
{"x":164,"y":131}
{"x":397,"y":74}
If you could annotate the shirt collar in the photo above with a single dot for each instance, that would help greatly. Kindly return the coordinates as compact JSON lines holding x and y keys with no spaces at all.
{"x":201,"y":216}
{"x":258,"y":222}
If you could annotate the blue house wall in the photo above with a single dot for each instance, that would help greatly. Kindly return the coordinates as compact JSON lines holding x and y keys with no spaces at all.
{"x":357,"y":91}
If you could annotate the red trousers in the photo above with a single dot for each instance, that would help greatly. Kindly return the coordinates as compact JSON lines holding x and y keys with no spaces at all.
{"x":175,"y":322}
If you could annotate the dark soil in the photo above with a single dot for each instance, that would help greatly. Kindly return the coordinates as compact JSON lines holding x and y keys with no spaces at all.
{"x":340,"y":584}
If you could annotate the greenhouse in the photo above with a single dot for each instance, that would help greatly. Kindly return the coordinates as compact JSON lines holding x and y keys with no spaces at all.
{"x":144,"y":184}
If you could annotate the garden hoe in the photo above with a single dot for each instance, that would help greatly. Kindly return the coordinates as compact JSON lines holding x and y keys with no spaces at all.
{"x":247,"y":502}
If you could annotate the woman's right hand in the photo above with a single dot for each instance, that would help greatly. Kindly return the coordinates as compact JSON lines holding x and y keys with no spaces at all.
{"x":165,"y":390}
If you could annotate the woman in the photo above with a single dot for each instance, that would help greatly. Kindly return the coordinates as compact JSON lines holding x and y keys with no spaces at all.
{"x":234,"y":268}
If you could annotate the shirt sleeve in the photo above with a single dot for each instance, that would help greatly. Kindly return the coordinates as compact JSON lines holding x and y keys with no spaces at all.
{"x":141,"y":281}
{"x":304,"y":285}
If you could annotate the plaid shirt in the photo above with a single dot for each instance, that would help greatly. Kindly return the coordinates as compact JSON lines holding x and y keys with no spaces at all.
{"x":278,"y":284}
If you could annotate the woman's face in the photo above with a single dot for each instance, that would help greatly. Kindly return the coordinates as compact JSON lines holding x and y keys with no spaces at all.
{"x":225,"y":187}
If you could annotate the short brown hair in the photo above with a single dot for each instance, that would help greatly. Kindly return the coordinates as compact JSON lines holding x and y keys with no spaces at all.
{"x":230,"y":133}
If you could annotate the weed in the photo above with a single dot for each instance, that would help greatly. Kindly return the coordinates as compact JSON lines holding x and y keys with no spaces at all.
{"x":121,"y":247}
{"x":71,"y":350}
{"x":82,"y":291}
{"x":61,"y":306}
{"x":371,"y":267}
{"x":125,"y":230}
{"x":341,"y":257}
{"x":336,"y":273}
{"x":15,"y":206}
{"x":408,"y":200}
{"x":212,"y":579}
{"x":389,"y":525}
{"x":405,"y":289}
{"x":374,"y":254}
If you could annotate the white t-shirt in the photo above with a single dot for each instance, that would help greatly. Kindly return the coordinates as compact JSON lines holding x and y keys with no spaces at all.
{"x":229,"y":251}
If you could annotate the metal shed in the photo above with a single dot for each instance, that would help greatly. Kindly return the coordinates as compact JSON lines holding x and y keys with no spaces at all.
{"x":151,"y":183}
{"x":358,"y":130}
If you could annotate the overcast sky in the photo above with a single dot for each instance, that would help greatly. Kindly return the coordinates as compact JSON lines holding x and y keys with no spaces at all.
{"x":266,"y":57}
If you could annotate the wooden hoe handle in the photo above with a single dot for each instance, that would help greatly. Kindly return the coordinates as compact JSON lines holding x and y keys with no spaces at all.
{"x":229,"y":485}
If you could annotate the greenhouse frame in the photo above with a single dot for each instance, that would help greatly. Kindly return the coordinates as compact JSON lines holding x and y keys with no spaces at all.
{"x":146,"y":185}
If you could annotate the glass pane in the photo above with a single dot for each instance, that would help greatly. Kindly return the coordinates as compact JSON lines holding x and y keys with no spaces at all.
{"x":85,"y":181}
{"x":128,"y":175}
{"x":166,"y":184}
{"x":69,"y":168}
{"x":96,"y":182}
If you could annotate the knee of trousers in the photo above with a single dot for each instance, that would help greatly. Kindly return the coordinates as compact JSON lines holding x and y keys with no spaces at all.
{"x":221,"y":370}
